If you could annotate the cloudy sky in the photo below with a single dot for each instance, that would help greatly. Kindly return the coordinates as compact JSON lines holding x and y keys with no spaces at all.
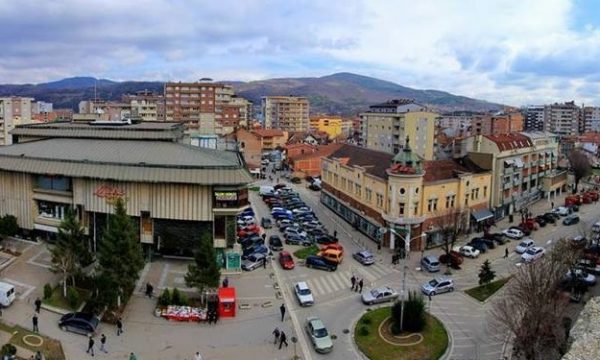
{"x":509,"y":51}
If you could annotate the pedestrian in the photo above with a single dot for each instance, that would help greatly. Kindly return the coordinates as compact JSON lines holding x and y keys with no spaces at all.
{"x":38,"y":355}
{"x":282,"y":340}
{"x":103,"y":343}
{"x":353,"y":281}
{"x":225,"y":282}
{"x":264,"y":236}
{"x":119,"y":326}
{"x":360,"y":285}
{"x":379,"y":247}
{"x":282,"y":311}
{"x":276,"y":334}
{"x":90,"y":349}
{"x":197,"y":356}
{"x":38,"y":305}
{"x":132,"y":356}
{"x":506,"y":252}
{"x":149,"y":290}
{"x":552,"y":204}
{"x":34,"y":320}
{"x":335,"y":234}
{"x":265,"y":262}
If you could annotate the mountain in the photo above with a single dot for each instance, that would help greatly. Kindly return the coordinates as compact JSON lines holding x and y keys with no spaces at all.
{"x":341,"y":93}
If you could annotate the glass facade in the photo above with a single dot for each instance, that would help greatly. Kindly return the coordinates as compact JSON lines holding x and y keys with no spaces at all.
{"x":361,"y":224}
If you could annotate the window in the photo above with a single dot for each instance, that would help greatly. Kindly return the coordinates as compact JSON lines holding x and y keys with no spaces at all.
{"x":402,"y":191}
{"x":467,"y":200}
{"x":357,"y":190}
{"x":52,"y":210}
{"x":379,"y":199}
{"x":432,"y":205}
{"x":368,"y":194}
{"x":415,"y":208}
{"x":485,"y":191}
{"x":450,"y":199}
{"x":58,"y":183}
{"x":401,"y":208}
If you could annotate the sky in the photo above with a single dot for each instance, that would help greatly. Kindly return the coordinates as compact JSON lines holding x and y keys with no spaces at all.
{"x":514,"y":52}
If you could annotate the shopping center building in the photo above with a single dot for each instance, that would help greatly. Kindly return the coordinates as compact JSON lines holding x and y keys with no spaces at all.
{"x":173,"y":192}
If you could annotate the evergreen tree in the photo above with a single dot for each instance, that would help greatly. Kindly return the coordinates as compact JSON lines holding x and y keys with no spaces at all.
{"x":70,"y":252}
{"x":204,"y":272}
{"x":120,"y":256}
{"x":486,"y":274}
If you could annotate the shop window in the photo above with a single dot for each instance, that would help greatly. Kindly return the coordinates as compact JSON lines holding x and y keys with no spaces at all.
{"x":58,"y":183}
{"x":52,"y":210}
{"x":401,"y":208}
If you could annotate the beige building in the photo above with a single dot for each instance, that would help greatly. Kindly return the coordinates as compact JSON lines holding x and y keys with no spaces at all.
{"x":372,"y":189}
{"x":386,"y":126}
{"x":287,"y":113}
{"x":14,"y":111}
{"x":524,"y":167}
{"x":146,"y":105}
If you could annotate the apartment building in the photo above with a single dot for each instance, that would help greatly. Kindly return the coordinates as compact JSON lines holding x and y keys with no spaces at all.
{"x":590,"y":119}
{"x":372,"y":189}
{"x":14,"y":111}
{"x":563,"y":119}
{"x":245,"y":110}
{"x":524,"y":167}
{"x":386,"y":126}
{"x":146,"y":105}
{"x":499,"y":123}
{"x":40,"y":107}
{"x":456,"y":123}
{"x":288,"y":113}
{"x":535,"y":117}
{"x":334,"y":126}
{"x":253,"y":144}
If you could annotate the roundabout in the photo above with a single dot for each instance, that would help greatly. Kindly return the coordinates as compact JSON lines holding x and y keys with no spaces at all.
{"x":374,"y":338}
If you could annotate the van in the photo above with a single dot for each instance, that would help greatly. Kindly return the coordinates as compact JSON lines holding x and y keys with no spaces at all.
{"x":332,"y":255}
{"x":266,"y":190}
{"x":596,"y":227}
{"x":7,"y":294}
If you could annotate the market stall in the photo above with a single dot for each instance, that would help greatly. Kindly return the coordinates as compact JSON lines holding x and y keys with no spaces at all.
{"x":226,"y":302}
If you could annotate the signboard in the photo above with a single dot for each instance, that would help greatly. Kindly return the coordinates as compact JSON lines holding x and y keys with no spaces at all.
{"x":110,"y":193}
{"x":226,"y":196}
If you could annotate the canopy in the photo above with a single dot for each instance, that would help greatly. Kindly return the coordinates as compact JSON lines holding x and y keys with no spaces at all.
{"x":481,"y":215}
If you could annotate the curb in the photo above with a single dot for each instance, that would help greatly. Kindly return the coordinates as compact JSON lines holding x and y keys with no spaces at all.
{"x":450,"y":348}
{"x":54,"y":309}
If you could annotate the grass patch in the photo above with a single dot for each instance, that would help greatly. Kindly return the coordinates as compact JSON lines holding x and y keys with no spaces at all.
{"x":58,"y":300}
{"x":52,"y":349}
{"x":306,"y":252}
{"x":366,"y":336}
{"x":253,"y":188}
{"x":483,"y":292}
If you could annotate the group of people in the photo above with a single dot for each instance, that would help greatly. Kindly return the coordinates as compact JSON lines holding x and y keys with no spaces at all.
{"x":92,"y":342}
{"x":357,"y":284}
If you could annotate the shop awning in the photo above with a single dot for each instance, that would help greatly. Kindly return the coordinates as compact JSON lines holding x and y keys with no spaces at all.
{"x":481,"y":215}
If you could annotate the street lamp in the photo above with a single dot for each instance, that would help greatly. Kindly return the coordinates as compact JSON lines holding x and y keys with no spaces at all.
{"x":382,"y":231}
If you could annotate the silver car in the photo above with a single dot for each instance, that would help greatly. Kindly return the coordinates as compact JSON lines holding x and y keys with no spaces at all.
{"x":364,"y":257}
{"x":379,"y":295}
{"x":253,"y":261}
{"x":319,"y":337}
{"x":303,"y":294}
{"x":437,"y":286}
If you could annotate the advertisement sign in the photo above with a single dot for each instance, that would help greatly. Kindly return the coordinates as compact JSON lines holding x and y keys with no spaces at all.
{"x":226,"y":196}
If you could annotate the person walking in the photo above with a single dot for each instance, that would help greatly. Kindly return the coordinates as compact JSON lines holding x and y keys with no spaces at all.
{"x":103,"y":343}
{"x":132,"y":356}
{"x":34,"y":320}
{"x":282,"y":311}
{"x":197,"y":356}
{"x":265,"y":262}
{"x":353,"y":281}
{"x":506,"y":252}
{"x":335,"y":234}
{"x":225,"y":282}
{"x":38,"y":355}
{"x":119,"y":327}
{"x":360,"y":285}
{"x":276,"y":334}
{"x":90,"y":349}
{"x":282,"y":340}
{"x":38,"y":305}
{"x":149,"y":290}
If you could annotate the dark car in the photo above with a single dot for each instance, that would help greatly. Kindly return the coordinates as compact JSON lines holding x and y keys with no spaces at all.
{"x":497,"y":237}
{"x":325,"y":239}
{"x":275,"y":243}
{"x":266,"y":223}
{"x":251,"y":241}
{"x":261,"y":249}
{"x":541,"y":220}
{"x":79,"y":322}
{"x":455,"y":258}
{"x":550,"y":217}
{"x":298,"y":240}
{"x":488,"y":242}
{"x":314,"y":187}
{"x":479,"y":245}
{"x":296,"y":180}
{"x":571,"y":219}
{"x":318,"y":262}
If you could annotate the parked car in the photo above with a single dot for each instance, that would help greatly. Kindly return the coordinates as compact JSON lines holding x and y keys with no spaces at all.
{"x":479,"y":245}
{"x":524,"y":246}
{"x":379,"y":295}
{"x":525,"y":230}
{"x":455,"y":257}
{"x":561,"y":210}
{"x":488,"y":242}
{"x":497,"y":237}
{"x":513,"y":233}
{"x":275,"y":243}
{"x":541,"y":220}
{"x":266,"y":223}
{"x":589,"y":265}
{"x":582,"y":275}
{"x":296,"y":180}
{"x":577,"y":241}
{"x":469,"y":251}
{"x":314,"y":187}
{"x":294,"y":231}
{"x":286,"y":260}
{"x":254,"y":249}
{"x":298,"y":240}
{"x":250,"y":241}
{"x":332,"y":255}
{"x":79,"y":322}
{"x":550,"y":217}
{"x":317,"y":262}
{"x":303,"y":294}
{"x":318,"y":335}
{"x":430,"y":263}
{"x":438,"y":286}
{"x":533,"y":253}
{"x":253,"y":261}
{"x":325,"y":239}
{"x":571,"y":220}
{"x":364,"y":257}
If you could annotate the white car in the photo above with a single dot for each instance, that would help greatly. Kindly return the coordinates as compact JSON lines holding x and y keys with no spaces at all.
{"x":303,"y":294}
{"x":513,"y":233}
{"x":468,"y":251}
{"x":532,"y":254}
{"x":561,"y":210}
{"x":524,"y":246}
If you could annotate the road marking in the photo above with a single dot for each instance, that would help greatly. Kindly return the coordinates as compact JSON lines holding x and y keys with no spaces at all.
{"x":340,"y":281}
{"x":163,"y":276}
{"x":380,"y":269}
{"x":29,"y":288}
{"x":33,"y":260}
{"x":317,"y":285}
{"x":329,"y":281}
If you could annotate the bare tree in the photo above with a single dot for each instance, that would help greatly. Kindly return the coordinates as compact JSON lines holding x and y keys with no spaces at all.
{"x":580,"y":165}
{"x":532,"y":307}
{"x":451,"y":224}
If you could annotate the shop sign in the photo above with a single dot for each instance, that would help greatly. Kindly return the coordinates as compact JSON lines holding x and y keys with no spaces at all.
{"x":110,"y":193}
{"x":226,"y":196}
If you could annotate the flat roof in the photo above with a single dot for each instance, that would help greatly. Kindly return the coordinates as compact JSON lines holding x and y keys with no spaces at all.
{"x":125,"y":160}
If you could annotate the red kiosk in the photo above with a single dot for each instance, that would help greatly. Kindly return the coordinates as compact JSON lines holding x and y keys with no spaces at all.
{"x":226,"y":302}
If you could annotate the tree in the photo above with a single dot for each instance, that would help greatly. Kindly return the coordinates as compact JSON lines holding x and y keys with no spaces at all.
{"x":531,"y":308}
{"x":486,"y":274}
{"x":120,"y":256}
{"x":450,"y":225}
{"x":580,"y":166}
{"x":8,"y":225}
{"x":70,"y":252}
{"x":204,"y":272}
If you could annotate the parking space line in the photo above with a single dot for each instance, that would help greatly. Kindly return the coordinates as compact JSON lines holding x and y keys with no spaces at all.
{"x":332,"y":285}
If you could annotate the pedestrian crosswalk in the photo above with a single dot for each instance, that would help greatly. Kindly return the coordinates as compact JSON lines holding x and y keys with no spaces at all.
{"x":340,"y":280}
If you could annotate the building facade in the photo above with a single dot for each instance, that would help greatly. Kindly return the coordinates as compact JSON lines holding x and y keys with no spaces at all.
{"x":373,"y":190}
{"x":535,"y":118}
{"x":563,"y":119}
{"x":386,"y":126}
{"x":14,"y":111}
{"x":334,"y":126}
{"x":590,"y":119}
{"x":146,"y":105}
{"x":288,"y":113}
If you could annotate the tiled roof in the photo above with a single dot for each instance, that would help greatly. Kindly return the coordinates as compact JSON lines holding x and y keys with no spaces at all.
{"x":323,"y":150}
{"x":437,"y":170}
{"x":375,"y":162}
{"x":510,"y":141}
{"x":268,"y":132}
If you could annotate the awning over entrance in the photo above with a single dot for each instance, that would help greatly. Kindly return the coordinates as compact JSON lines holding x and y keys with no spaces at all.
{"x":481,"y":215}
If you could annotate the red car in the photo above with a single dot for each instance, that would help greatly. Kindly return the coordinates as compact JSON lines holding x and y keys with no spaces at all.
{"x":286,"y":261}
{"x":249,"y":230}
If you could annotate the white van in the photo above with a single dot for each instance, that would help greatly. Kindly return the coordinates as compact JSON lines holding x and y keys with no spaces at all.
{"x":596,"y":227}
{"x":7,"y":294}
{"x":266,"y":190}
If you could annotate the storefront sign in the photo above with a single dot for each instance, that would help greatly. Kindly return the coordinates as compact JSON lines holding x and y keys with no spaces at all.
{"x":109,"y":193}
{"x":226,"y":196}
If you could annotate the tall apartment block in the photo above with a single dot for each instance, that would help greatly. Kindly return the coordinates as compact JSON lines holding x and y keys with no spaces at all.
{"x":590,"y":119}
{"x":146,"y":105}
{"x":385,"y":127}
{"x":500,"y":123}
{"x":535,"y":117}
{"x":13,"y":111}
{"x":563,"y":119}
{"x":287,"y":113}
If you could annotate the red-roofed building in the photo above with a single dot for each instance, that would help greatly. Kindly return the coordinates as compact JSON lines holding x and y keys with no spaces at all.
{"x":253,"y":143}
{"x":309,"y":162}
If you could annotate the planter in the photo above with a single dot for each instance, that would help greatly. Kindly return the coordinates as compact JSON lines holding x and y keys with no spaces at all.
{"x":157,"y":312}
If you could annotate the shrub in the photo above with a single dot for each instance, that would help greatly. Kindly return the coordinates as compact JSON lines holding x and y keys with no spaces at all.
{"x":8,"y":349}
{"x":366,"y":321}
{"x":165,"y":298}
{"x":183,"y":299}
{"x":176,"y":297}
{"x":363,"y":331}
{"x":72,"y":297}
{"x":47,"y":291}
{"x":414,"y":314}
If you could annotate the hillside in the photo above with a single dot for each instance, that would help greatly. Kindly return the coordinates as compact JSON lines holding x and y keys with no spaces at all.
{"x":341,"y":93}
